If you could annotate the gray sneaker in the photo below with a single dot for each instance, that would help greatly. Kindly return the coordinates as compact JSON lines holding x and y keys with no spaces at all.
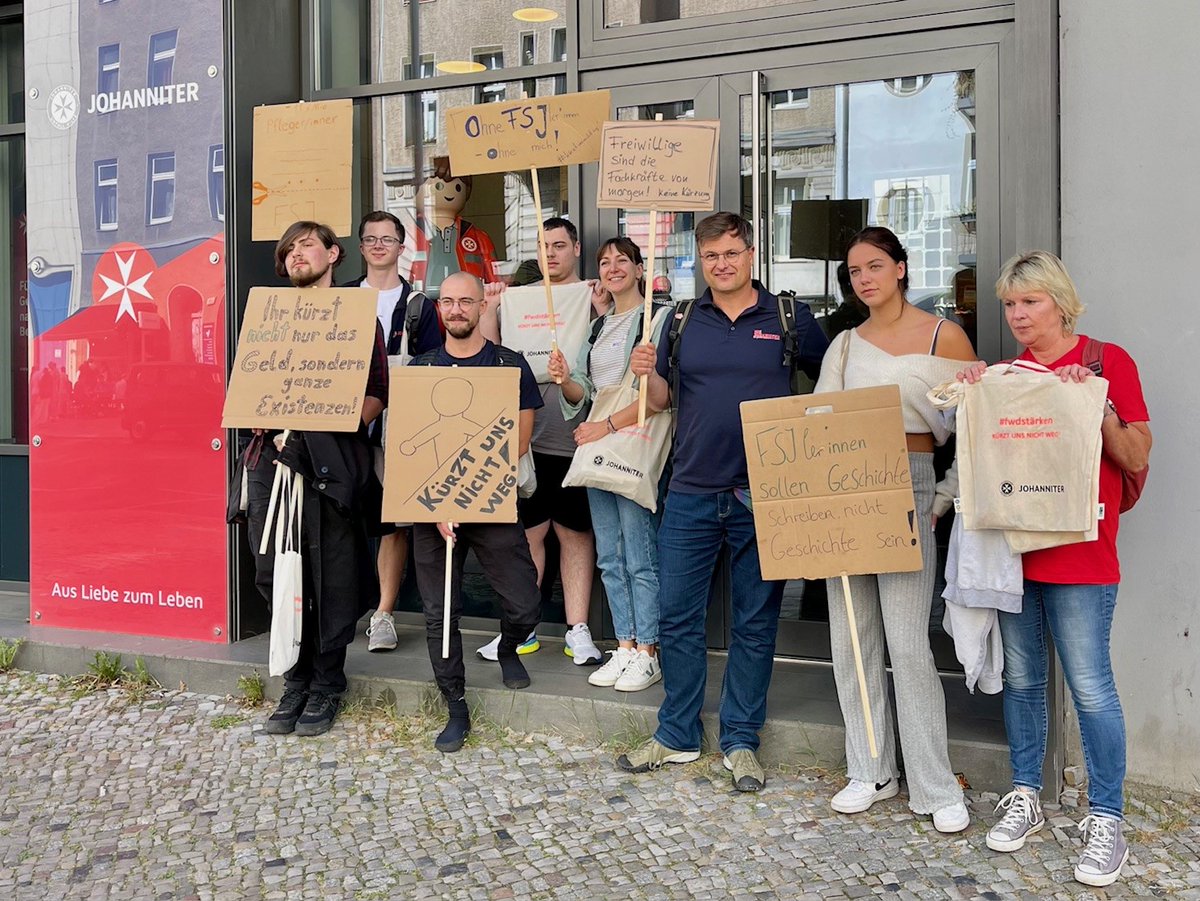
{"x":381,"y":633}
{"x":1022,"y":818}
{"x":653,"y":755}
{"x":748,"y":775}
{"x":1106,"y":851}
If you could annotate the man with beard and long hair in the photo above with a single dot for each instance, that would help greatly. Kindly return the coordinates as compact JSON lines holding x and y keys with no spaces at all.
{"x":501,"y":548}
{"x":341,"y":495}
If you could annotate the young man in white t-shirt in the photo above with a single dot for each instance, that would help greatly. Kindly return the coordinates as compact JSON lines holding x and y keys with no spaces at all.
{"x":566,"y":509}
{"x":381,"y":241}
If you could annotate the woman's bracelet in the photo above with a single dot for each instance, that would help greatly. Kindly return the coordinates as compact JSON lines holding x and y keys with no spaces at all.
{"x":611,"y":428}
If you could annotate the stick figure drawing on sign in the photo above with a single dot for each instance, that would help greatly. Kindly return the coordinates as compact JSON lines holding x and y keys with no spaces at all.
{"x":451,"y":398}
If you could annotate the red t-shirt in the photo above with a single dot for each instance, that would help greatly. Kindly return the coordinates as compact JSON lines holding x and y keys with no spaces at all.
{"x":1094,"y":562}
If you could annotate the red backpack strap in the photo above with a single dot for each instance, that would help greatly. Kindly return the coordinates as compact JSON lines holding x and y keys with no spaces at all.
{"x":1093,"y":356}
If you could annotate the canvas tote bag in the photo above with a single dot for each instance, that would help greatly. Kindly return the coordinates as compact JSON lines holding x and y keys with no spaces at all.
{"x":287,"y":597}
{"x":1033,"y":452}
{"x":629,"y":462}
{"x":525,"y":324}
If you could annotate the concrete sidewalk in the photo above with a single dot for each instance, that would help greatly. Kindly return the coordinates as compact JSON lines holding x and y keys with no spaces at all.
{"x":179,"y":795}
{"x":804,"y":725}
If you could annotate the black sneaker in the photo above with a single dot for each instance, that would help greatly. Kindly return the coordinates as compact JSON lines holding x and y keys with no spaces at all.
{"x":283,"y":720}
{"x":318,"y":714}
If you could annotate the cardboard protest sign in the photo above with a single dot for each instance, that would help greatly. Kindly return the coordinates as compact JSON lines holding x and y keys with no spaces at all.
{"x":659,"y":165}
{"x":831,"y":490}
{"x":302,"y":361}
{"x":526,"y":134}
{"x":452,"y":455}
{"x":525,"y":324}
{"x":302,"y":166}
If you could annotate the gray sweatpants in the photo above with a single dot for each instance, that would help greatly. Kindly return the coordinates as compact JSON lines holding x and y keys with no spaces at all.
{"x":896,"y":605}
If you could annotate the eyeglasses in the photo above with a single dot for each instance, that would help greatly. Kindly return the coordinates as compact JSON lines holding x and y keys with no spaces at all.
{"x":729,"y":256}
{"x":463,"y":303}
{"x":385,"y":240}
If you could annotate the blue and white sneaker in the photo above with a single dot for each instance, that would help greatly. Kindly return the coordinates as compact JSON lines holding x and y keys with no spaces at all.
{"x":490,"y":651}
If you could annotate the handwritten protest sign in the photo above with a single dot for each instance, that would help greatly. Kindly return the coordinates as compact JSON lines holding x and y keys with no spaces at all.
{"x":302,"y":359}
{"x":452,"y":457}
{"x":659,"y":165}
{"x":831,"y":490}
{"x":302,"y":166}
{"x":527,"y":133}
{"x":525,"y":324}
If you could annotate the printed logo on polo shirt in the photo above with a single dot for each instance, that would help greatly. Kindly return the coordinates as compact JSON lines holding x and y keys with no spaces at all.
{"x":766,"y":336}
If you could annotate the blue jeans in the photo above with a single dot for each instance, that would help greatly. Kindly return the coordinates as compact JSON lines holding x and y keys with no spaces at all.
{"x":693,"y":529}
{"x":1079,"y":619}
{"x":627,"y":554}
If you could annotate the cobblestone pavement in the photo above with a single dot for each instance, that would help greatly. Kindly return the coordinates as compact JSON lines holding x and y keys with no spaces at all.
{"x":179,"y":795}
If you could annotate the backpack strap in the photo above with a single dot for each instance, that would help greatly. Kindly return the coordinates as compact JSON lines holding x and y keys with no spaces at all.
{"x":683,"y":312}
{"x":429,"y":358}
{"x":787,"y":325}
{"x":1093,"y":356}
{"x":508,"y":356}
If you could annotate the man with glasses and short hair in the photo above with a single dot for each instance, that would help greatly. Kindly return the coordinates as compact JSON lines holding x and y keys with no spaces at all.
{"x":381,"y":241}
{"x":731,"y":351}
{"x":500,"y":548}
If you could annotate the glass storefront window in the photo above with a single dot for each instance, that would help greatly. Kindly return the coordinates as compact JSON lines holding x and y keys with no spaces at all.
{"x":624,"y":13}
{"x":362,"y":42}
{"x":898,"y":153}
{"x":12,"y":72}
{"x":674,"y":276}
{"x":413,"y":180}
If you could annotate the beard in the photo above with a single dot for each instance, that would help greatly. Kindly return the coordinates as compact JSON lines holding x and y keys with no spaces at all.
{"x":460,"y":328}
{"x":307,"y":277}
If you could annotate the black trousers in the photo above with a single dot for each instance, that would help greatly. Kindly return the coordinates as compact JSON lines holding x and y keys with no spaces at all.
{"x":504,"y":553}
{"x":316,"y":671}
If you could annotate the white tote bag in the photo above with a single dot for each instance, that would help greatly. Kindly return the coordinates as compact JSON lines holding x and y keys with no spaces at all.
{"x":629,"y":462}
{"x":1034,"y":452}
{"x":525,"y":323}
{"x":287,"y":596}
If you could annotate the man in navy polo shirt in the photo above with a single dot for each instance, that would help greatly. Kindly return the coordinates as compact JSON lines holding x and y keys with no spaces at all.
{"x":731,"y":351}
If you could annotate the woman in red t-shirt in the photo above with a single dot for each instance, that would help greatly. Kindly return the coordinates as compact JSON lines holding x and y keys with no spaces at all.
{"x":1070,"y":591}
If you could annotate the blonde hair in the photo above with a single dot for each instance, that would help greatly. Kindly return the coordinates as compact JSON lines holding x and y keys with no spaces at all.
{"x":1040,"y":270}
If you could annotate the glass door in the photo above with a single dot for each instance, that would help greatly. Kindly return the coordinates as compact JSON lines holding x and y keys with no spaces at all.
{"x":817,"y":162}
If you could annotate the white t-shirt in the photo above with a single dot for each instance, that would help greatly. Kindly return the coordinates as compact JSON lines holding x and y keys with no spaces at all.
{"x":387,"y":303}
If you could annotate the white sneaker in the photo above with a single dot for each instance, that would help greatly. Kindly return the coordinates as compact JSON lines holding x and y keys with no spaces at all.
{"x":642,"y":672}
{"x":952,"y":818}
{"x":580,"y":647}
{"x":607,"y":675}
{"x":859,"y":796}
{"x":491,"y":650}
{"x":381,"y":633}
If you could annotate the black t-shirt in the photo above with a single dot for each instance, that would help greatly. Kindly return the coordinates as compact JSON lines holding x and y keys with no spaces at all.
{"x":531,"y":397}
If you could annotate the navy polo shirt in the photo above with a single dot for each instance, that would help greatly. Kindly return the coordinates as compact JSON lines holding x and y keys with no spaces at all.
{"x":721,"y":364}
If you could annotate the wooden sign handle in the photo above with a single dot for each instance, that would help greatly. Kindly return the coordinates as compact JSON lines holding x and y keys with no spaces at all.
{"x":648,"y":312}
{"x":446,"y":599}
{"x":541,"y":231}
{"x":858,"y":665}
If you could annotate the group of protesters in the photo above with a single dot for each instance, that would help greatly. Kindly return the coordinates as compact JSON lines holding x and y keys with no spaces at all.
{"x":657,"y":567}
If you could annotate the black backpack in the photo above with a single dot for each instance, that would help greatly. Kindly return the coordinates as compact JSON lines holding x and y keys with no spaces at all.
{"x":413,"y":303}
{"x":800,"y":382}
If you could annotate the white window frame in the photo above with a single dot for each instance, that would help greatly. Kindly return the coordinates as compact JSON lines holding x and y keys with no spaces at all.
{"x":104,"y":68}
{"x":154,"y":178}
{"x":106,"y":183}
{"x":162,"y":55}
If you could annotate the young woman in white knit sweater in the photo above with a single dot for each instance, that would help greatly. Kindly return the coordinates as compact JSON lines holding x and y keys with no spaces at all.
{"x":902,"y":345}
